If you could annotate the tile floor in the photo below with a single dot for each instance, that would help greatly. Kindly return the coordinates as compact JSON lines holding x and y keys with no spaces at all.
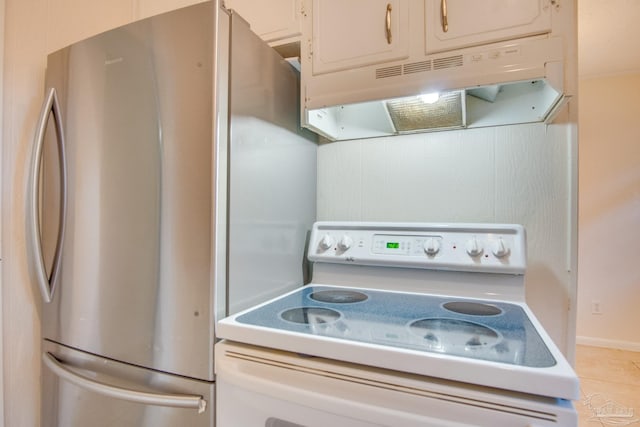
{"x":610,"y":386}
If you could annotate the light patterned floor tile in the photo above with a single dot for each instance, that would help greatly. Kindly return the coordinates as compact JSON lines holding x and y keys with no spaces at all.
{"x":610,"y":387}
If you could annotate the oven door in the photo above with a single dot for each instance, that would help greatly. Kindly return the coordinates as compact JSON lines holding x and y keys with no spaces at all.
{"x":257,"y":387}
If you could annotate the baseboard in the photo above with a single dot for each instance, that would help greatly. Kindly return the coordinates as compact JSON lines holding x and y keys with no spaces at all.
{"x":601,"y":342}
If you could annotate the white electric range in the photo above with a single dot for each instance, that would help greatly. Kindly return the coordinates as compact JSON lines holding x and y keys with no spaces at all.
{"x":431,"y":312}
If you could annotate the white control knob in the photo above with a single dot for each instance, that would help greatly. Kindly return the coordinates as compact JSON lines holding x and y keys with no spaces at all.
{"x":474,"y":248}
{"x":326,"y":242}
{"x":345,"y":243}
{"x":499,"y":249}
{"x":432,"y":246}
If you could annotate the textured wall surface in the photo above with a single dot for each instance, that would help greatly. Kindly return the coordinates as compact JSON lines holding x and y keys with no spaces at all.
{"x":512,"y":174}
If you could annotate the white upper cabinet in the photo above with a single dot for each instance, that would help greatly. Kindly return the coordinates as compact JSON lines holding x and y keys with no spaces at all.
{"x":453,"y":24}
{"x":276,"y":21}
{"x":493,"y":62}
{"x":354,"y":33}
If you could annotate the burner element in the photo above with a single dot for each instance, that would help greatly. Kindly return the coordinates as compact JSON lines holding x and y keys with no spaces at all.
{"x":449,"y":334}
{"x":472,"y":308}
{"x":338,"y":296}
{"x":310,"y":315}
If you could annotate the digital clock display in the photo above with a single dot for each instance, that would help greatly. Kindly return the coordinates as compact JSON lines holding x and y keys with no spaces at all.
{"x":393,"y":245}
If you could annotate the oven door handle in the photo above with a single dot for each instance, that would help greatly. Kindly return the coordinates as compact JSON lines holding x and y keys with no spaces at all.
{"x":245,"y":372}
{"x":255,"y":377}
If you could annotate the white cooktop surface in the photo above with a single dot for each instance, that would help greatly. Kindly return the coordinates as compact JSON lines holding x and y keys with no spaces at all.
{"x":490,"y":342}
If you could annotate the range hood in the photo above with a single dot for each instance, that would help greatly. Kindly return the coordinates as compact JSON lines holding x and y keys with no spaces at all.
{"x":519,"y":81}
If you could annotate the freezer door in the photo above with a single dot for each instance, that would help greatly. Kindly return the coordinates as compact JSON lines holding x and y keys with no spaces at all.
{"x":134,"y":279}
{"x":87,"y":390}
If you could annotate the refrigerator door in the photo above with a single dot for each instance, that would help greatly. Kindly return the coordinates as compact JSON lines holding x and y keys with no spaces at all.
{"x":134,"y":270}
{"x":89,"y":390}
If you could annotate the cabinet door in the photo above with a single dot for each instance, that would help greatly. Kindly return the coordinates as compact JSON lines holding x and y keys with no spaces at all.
{"x":355,"y":33}
{"x":453,"y":24}
{"x":275,"y":21}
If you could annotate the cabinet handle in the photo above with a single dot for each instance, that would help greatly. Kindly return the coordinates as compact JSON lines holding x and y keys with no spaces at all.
{"x":443,"y":15}
{"x":388,"y":23}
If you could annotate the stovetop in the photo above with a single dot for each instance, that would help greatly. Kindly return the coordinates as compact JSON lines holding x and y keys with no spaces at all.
{"x":382,"y":295}
{"x":477,"y":329}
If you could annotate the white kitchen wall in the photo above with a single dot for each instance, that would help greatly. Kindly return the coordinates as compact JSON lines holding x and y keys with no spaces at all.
{"x":23,"y":89}
{"x":609,"y":215}
{"x":513,"y":174}
{"x":1,"y":210}
{"x":68,"y":21}
{"x":34,"y":28}
{"x":145,"y":8}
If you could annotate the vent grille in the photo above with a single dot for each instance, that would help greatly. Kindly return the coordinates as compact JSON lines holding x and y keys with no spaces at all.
{"x":417,"y":67}
{"x":449,"y":62}
{"x":382,"y":73}
{"x":420,"y":67}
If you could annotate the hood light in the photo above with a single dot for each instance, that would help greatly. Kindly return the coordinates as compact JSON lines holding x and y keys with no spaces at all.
{"x":429,"y":98}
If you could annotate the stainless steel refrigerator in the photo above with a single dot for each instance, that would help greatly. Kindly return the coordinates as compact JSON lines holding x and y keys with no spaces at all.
{"x":171,"y":185}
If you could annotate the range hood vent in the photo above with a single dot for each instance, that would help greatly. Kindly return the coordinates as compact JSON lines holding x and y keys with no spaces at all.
{"x":382,"y":73}
{"x":412,"y":114}
{"x":448,"y":62}
{"x":505,"y":83}
{"x":419,"y":67}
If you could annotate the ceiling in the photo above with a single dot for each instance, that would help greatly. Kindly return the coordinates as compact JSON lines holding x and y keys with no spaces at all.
{"x":608,"y":37}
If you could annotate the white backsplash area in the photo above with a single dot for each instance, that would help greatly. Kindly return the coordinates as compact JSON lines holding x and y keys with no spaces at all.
{"x":522,"y":174}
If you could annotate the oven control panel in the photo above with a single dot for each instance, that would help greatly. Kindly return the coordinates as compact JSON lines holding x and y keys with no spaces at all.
{"x":495,"y":248}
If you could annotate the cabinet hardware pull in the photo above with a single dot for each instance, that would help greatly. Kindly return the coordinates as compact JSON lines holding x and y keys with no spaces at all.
{"x":388,"y":23}
{"x":443,"y":15}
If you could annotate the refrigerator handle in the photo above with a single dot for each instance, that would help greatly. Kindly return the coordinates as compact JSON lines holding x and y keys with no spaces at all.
{"x":143,"y":397}
{"x":47,"y":283}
